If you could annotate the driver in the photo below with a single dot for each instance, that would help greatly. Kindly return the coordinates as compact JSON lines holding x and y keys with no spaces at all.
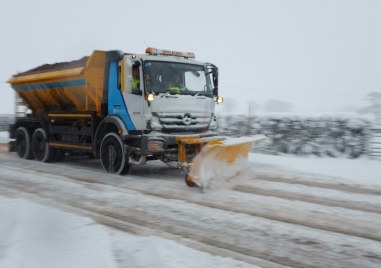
{"x":175,"y":84}
{"x":135,"y":82}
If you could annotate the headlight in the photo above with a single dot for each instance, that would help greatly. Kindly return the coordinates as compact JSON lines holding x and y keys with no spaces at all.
{"x":219,"y":100}
{"x":155,"y":123}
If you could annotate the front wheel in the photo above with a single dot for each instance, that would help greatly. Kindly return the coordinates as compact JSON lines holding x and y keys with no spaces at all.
{"x":113,"y":155}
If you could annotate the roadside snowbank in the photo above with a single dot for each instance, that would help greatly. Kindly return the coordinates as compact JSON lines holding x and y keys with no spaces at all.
{"x":358,"y":171}
{"x":37,"y":236}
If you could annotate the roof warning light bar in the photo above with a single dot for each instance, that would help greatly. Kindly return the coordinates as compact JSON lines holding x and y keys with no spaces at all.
{"x":156,"y":51}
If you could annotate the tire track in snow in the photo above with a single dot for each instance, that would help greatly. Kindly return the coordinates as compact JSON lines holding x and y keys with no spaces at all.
{"x":314,"y":182}
{"x":256,"y":237}
{"x":335,"y":220}
{"x":142,"y":230}
{"x":254,"y":188}
{"x":289,"y":194}
{"x":310,"y":215}
{"x":135,"y":221}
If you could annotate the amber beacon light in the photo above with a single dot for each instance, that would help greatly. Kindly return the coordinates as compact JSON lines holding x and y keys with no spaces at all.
{"x":157,"y":51}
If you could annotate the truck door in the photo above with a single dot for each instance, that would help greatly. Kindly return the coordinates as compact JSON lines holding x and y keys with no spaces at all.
{"x":132,"y":88}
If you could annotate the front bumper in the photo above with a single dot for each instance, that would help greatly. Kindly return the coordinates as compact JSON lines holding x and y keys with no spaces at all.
{"x":160,"y":143}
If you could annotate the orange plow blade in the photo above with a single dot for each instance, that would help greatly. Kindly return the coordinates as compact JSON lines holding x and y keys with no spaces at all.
{"x":219,"y":159}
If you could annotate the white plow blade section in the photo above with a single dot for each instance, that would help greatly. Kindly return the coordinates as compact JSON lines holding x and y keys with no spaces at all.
{"x":219,"y":161}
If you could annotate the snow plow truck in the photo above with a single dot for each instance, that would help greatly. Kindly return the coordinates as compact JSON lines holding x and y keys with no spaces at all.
{"x":124,"y":109}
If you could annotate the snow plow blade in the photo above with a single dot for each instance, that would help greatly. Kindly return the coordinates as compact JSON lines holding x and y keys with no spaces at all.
{"x":218,"y":156}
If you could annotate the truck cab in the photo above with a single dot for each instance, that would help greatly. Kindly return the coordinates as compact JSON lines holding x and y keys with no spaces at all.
{"x":175,"y":97}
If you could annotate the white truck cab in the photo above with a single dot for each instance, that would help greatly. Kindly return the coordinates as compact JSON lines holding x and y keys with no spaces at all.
{"x":176,"y":96}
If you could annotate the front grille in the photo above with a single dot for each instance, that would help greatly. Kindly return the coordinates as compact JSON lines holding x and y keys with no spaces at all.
{"x":184,"y":122}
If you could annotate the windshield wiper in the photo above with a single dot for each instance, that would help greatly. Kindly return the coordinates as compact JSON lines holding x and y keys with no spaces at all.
{"x":201,"y":93}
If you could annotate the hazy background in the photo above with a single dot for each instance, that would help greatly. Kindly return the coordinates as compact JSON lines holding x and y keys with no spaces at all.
{"x":302,"y":56}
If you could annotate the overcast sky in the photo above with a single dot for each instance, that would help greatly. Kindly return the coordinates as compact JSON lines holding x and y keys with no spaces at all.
{"x":319,"y":56}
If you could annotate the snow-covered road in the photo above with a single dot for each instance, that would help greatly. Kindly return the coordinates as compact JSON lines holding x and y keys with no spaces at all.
{"x":272,"y":218}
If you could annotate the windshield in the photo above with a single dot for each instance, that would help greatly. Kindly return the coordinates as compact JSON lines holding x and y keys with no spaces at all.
{"x":176,"y":78}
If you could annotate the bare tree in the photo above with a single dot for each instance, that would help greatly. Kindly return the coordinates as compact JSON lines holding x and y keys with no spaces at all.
{"x":374,"y":105}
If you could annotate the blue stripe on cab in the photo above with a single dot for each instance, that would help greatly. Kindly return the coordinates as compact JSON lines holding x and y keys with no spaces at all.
{"x":52,"y":85}
{"x":116,"y":103}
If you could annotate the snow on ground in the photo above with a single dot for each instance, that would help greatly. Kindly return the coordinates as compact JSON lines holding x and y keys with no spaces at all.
{"x":38,"y":236}
{"x":34,"y":236}
{"x":358,"y":171}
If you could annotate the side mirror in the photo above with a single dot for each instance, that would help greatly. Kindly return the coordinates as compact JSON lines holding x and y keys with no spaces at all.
{"x":215,"y":83}
{"x":213,"y":70}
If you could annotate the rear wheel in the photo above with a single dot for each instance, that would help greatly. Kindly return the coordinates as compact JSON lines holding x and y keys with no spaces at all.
{"x":23,"y":146}
{"x":40,"y":148}
{"x":113,"y":155}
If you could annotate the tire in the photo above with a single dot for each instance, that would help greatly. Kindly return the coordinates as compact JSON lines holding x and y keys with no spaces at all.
{"x":113,"y":155}
{"x":40,"y":148}
{"x":23,"y":145}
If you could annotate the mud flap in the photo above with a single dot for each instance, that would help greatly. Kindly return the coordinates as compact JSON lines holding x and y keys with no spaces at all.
{"x":219,"y":158}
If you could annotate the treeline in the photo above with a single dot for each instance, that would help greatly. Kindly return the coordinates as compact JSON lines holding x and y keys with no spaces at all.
{"x":327,"y":136}
{"x":321,"y":136}
{"x":5,"y":121}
